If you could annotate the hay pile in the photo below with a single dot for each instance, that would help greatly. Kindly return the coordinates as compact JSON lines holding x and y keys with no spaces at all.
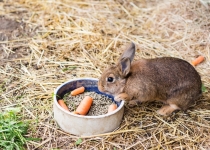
{"x":53,"y":41}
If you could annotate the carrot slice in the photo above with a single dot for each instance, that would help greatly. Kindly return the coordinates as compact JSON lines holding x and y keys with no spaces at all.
{"x":78,"y":91}
{"x":62,"y":104}
{"x":198,"y":60}
{"x":112,"y":107}
{"x":84,"y":105}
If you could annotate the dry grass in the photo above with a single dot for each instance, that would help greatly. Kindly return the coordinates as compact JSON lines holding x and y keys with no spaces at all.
{"x":59,"y":40}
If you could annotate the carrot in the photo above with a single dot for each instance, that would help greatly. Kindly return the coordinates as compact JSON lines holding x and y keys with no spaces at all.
{"x":74,"y":112}
{"x":112,"y":107}
{"x":198,"y":60}
{"x":78,"y":91}
{"x":84,"y":106}
{"x":62,"y":104}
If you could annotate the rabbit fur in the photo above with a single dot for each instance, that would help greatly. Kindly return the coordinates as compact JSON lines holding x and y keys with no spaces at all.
{"x":173,"y":81}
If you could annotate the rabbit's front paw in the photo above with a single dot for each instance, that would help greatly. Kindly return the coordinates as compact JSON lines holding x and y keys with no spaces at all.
{"x":121,"y":97}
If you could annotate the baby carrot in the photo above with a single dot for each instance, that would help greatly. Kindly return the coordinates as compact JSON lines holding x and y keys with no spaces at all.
{"x":78,"y":91}
{"x":74,"y":112}
{"x":84,"y":106}
{"x":198,"y":60}
{"x":112,"y":107}
{"x":62,"y":104}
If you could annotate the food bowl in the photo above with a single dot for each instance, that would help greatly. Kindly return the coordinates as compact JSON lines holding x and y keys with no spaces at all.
{"x":85,"y":125}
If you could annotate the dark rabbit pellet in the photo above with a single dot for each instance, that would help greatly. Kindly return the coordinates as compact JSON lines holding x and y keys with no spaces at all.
{"x":99,"y":106}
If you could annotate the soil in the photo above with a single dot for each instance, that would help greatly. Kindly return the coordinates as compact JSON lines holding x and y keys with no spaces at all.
{"x":10,"y":32}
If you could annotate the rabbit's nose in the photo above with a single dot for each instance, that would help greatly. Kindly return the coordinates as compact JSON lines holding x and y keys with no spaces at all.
{"x":100,"y":88}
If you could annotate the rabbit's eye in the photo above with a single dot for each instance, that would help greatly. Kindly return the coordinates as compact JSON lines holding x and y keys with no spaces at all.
{"x":110,"y":79}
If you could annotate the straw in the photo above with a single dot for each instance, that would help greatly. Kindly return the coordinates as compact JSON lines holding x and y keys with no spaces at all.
{"x":54,"y":41}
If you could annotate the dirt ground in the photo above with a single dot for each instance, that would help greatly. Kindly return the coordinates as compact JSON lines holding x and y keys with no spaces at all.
{"x":45,"y":43}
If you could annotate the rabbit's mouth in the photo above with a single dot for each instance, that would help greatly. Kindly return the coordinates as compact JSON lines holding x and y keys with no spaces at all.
{"x":105,"y":91}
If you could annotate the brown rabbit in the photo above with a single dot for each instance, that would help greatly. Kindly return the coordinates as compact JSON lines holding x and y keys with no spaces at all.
{"x":172,"y":81}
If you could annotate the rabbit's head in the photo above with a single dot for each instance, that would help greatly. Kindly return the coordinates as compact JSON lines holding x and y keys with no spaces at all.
{"x":113,"y":79}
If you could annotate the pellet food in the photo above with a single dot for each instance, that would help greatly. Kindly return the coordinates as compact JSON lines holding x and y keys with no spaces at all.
{"x":99,"y":106}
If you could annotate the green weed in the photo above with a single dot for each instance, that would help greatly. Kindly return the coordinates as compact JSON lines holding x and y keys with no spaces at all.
{"x":12,"y":131}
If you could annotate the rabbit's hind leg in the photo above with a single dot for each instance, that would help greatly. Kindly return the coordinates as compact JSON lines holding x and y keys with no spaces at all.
{"x":167,"y":109}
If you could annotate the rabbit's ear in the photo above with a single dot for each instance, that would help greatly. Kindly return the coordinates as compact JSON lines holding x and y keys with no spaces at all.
{"x":129,"y":52}
{"x":126,"y":59}
{"x":124,"y":66}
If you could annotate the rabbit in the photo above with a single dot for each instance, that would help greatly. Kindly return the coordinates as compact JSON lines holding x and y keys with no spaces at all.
{"x":173,"y":81}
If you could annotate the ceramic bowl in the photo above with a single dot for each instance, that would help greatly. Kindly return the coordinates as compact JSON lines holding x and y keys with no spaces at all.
{"x":84,"y":125}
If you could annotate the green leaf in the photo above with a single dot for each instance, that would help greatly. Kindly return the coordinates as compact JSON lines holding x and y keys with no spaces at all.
{"x":203,"y":88}
{"x":33,"y":139}
{"x":79,"y":141}
{"x":12,"y":130}
{"x":69,"y":68}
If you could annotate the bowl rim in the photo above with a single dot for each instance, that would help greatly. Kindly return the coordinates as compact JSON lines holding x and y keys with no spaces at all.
{"x":81,"y":116}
